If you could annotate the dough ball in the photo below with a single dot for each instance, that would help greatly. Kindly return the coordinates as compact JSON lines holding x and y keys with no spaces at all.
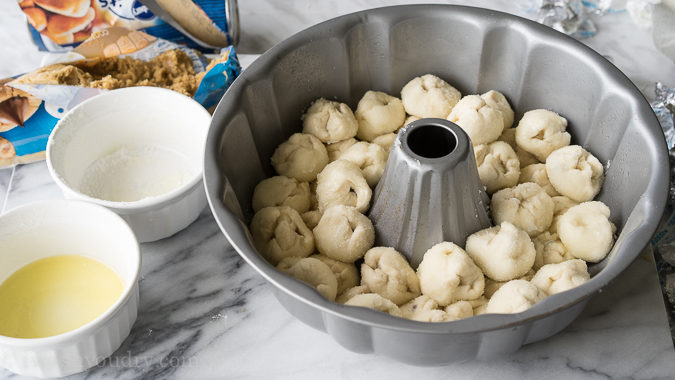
{"x":376,"y":302}
{"x":550,"y":250}
{"x":370,"y":158}
{"x":429,"y":96}
{"x":387,"y":273}
{"x":524,"y":157}
{"x":423,"y":309}
{"x":503,"y":252}
{"x":344,"y":234}
{"x":302,"y":157}
{"x":311,"y":218}
{"x":335,"y":150}
{"x":481,"y":122}
{"x":514,"y":297}
{"x":329,"y":121}
{"x":560,"y":205}
{"x":282,"y":191}
{"x":540,"y":132}
{"x":498,"y":165}
{"x":526,"y":206}
{"x":351,"y":292}
{"x":491,"y":286}
{"x":586,"y":231}
{"x":378,"y":114}
{"x":556,"y":278}
{"x":279,"y":232}
{"x":342,"y":183}
{"x":536,"y":173}
{"x":575,"y":173}
{"x":459,"y":310}
{"x":385,"y":141}
{"x":447,"y":274}
{"x":313,"y":272}
{"x":347,"y":274}
{"x":497,"y":100}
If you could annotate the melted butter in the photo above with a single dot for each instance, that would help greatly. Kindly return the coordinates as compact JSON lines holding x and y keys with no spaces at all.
{"x":55,"y":295}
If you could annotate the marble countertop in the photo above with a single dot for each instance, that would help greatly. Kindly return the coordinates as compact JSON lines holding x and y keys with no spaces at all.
{"x":204,"y":313}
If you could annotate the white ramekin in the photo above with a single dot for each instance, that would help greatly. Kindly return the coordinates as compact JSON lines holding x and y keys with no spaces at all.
{"x":130,"y":117}
{"x":50,"y":228}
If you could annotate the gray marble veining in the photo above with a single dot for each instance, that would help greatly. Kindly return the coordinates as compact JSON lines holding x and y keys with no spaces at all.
{"x":205,"y":314}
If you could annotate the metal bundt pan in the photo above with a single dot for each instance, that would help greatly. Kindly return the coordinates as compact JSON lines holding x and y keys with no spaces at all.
{"x":475,"y":50}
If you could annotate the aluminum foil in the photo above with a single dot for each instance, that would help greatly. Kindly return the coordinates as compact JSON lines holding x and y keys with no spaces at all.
{"x":664,"y":239}
{"x":567,"y":16}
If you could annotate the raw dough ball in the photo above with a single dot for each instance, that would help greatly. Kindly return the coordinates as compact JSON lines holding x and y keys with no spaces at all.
{"x":385,"y":141}
{"x":526,"y":206}
{"x":540,"y":132}
{"x":586,"y":231}
{"x":497,"y":100}
{"x":282,"y":191}
{"x":311,"y":218}
{"x":514,"y":297}
{"x":279,"y":232}
{"x":429,"y":96}
{"x":447,"y":274}
{"x":347,"y":274}
{"x":560,"y":204}
{"x":550,"y":250}
{"x":556,"y":278}
{"x":459,"y":310}
{"x":575,"y":173}
{"x":423,"y":309}
{"x":378,"y":114}
{"x":342,"y":183}
{"x":376,"y":302}
{"x":481,"y":122}
{"x":387,"y":273}
{"x":503,"y":252}
{"x":491,"y":286}
{"x":302,"y":157}
{"x":312,"y":272}
{"x":370,"y":158}
{"x":335,"y":150}
{"x":329,"y":121}
{"x":524,"y":157}
{"x":498,"y":166}
{"x":344,"y":234}
{"x":536,"y":173}
{"x":351,"y":292}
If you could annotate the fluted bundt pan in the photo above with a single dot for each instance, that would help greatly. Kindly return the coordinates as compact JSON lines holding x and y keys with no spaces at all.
{"x":475,"y":50}
{"x":430,"y":191}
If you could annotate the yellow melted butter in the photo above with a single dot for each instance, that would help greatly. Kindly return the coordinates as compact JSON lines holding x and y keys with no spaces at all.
{"x":55,"y":295}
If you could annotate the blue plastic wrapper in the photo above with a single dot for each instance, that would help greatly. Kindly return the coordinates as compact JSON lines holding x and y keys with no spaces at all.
{"x":29,"y":111}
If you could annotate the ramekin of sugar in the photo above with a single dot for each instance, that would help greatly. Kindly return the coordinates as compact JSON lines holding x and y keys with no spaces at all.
{"x":138,"y":152}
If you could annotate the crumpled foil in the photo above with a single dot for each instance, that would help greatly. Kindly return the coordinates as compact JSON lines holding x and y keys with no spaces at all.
{"x":663,"y":241}
{"x":566,"y":16}
{"x":664,"y":108}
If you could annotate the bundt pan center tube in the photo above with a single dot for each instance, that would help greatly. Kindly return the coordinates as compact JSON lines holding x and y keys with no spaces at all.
{"x":430,"y":191}
{"x":475,"y":50}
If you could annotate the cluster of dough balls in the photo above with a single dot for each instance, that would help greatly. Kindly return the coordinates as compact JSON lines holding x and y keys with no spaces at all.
{"x":310,"y":219}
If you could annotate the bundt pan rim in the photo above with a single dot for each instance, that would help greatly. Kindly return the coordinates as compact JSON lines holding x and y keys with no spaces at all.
{"x":643,"y":219}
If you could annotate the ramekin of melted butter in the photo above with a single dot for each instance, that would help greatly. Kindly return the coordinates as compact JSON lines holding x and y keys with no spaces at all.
{"x":56,"y":294}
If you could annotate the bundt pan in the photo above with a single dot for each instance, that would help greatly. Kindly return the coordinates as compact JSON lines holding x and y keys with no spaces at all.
{"x":475,"y":50}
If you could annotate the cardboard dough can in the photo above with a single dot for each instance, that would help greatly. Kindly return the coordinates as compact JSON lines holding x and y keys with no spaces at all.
{"x":60,"y":25}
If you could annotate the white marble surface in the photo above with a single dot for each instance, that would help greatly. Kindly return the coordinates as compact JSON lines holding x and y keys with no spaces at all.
{"x":206,"y":314}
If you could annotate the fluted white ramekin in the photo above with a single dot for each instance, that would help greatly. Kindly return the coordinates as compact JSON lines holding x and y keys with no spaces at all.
{"x":50,"y":228}
{"x":131,"y":117}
